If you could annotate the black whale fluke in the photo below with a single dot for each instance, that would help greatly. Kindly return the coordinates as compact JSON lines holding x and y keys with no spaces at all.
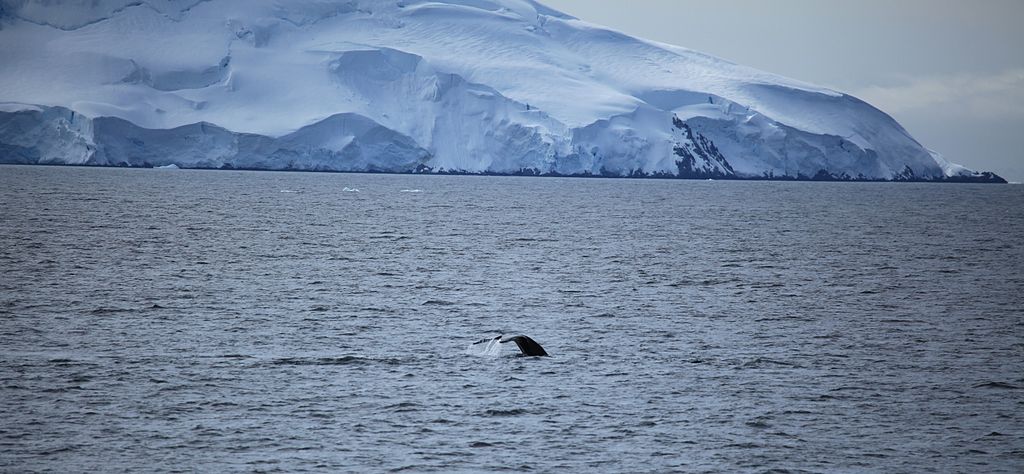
{"x":528,"y":346}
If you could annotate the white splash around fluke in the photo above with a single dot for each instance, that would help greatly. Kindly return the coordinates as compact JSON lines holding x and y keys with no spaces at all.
{"x":485,"y":348}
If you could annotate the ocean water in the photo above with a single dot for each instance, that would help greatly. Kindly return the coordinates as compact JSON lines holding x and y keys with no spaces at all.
{"x":213,"y":321}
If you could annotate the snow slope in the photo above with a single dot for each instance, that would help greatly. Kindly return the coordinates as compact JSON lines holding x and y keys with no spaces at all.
{"x":496,"y":86}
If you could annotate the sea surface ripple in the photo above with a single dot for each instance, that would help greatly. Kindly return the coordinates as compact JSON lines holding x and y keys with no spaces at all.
{"x":168,"y":321}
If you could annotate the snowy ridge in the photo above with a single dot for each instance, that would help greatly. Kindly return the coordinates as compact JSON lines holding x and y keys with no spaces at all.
{"x":343,"y":142}
{"x":476,"y":86}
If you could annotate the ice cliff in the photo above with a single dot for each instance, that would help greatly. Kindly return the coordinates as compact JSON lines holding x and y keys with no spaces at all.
{"x":468,"y":86}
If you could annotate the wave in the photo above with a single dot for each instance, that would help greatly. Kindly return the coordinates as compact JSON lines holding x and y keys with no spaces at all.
{"x":343,"y":360}
{"x":997,"y":385}
{"x":504,"y":413}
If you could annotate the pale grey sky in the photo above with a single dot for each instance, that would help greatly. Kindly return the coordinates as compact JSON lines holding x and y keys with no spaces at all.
{"x":950,"y":71}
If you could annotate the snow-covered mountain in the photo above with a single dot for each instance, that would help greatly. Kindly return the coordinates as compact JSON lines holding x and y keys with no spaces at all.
{"x":475,"y":86}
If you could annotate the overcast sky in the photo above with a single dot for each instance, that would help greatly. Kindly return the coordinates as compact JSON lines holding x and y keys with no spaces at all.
{"x":950,"y":71}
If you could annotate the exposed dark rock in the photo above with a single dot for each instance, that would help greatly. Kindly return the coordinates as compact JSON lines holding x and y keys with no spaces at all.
{"x":699,"y":157}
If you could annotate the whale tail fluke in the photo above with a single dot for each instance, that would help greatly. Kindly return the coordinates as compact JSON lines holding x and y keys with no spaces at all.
{"x":528,"y":346}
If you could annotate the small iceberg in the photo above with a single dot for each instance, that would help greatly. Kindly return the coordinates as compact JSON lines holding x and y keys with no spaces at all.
{"x":412,"y":191}
{"x":350,"y":190}
{"x":171,"y":166}
{"x":289,"y":191}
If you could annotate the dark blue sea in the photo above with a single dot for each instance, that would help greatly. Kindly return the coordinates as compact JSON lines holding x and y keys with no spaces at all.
{"x":216,"y":321}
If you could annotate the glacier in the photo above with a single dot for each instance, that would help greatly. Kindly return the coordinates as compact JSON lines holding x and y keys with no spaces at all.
{"x":404,"y":86}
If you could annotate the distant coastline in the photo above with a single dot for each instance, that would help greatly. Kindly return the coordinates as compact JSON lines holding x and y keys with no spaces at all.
{"x":985,"y":177}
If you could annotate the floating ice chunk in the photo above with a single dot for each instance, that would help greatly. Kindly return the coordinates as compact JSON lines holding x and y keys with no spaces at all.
{"x":171,"y":166}
{"x":412,"y":191}
{"x":350,"y":190}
